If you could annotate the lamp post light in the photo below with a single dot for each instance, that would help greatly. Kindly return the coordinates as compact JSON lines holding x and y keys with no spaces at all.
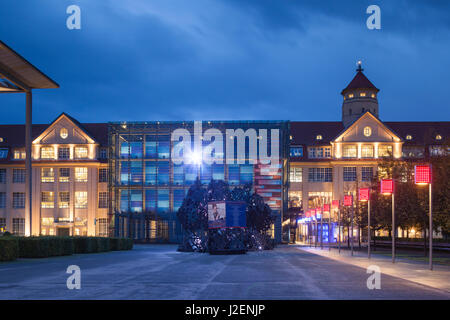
{"x":387,"y":188}
{"x":348,"y":202}
{"x":326,"y":208}
{"x":364,"y":196}
{"x":320,"y":211}
{"x":336,"y":206}
{"x":422,"y":176}
{"x":314,"y":212}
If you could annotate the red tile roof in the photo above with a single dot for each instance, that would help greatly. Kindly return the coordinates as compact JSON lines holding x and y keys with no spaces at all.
{"x":360,"y":81}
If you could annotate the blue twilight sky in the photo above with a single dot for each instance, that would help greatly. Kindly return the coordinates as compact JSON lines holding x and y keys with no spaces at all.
{"x":228,"y":59}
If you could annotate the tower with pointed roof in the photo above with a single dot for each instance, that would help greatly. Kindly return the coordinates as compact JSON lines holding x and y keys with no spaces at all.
{"x":359,"y":96}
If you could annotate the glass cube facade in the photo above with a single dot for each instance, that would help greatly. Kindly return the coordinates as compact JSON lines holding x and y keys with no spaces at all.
{"x":148,"y":187}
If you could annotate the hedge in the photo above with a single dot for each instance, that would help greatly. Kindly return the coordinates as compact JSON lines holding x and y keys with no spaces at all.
{"x":9,"y":249}
{"x":12,"y":248}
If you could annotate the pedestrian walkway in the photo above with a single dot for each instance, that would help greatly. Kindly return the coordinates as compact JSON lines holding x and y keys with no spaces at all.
{"x":438,"y":278}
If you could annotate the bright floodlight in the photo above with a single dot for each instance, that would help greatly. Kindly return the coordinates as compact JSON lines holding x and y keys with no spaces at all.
{"x":195,"y":158}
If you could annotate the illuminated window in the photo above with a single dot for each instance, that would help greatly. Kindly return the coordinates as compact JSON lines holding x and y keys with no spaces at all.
{"x":47,"y":153}
{"x":367,"y":151}
{"x":351,"y":95}
{"x":408,"y":137}
{"x":3,"y":153}
{"x":19,"y":154}
{"x":47,"y":199}
{"x":296,"y":151}
{"x":384,"y":151}
{"x":64,"y":174}
{"x":349,"y":151}
{"x":81,"y":199}
{"x":319,"y":137}
{"x":63,"y":133}
{"x":47,"y":175}
{"x":64,"y":199}
{"x":81,"y":152}
{"x":63,"y":153}
{"x":295,"y":199}
{"x":367,"y":131}
{"x":81,"y":174}
{"x":362,"y":94}
{"x":296,"y":174}
{"x":373,"y":95}
{"x":438,"y":137}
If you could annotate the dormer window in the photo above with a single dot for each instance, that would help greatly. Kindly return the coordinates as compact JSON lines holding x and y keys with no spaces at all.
{"x":19,"y":154}
{"x":319,"y":137}
{"x":64,"y":133}
{"x":408,"y":137}
{"x":438,"y":137}
{"x":373,"y":95}
{"x":362,"y":94}
{"x":351,"y":95}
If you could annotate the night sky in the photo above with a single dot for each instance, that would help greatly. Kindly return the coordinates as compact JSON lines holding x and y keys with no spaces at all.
{"x":228,"y":59}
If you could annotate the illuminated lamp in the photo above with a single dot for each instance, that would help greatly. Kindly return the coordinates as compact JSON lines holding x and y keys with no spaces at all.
{"x":387,"y":186}
{"x":422,"y":174}
{"x":348,"y":200}
{"x":364,"y":194}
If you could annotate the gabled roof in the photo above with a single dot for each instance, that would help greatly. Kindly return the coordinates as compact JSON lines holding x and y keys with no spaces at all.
{"x":305,"y":132}
{"x":422,"y":133}
{"x":360,"y":81}
{"x":368,"y":114}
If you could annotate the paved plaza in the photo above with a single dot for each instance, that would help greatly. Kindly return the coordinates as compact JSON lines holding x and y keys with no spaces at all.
{"x":160,"y":272}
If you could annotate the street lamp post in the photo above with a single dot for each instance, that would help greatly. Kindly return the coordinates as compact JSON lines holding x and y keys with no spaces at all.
{"x":387,"y":188}
{"x":326,"y":208}
{"x":422,"y":176}
{"x":336,"y":206}
{"x":348,"y":202}
{"x":364,"y":196}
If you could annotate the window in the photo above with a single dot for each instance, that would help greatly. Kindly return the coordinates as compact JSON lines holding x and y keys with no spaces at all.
{"x":2,"y":225}
{"x":47,"y":199}
{"x":63,"y":153}
{"x":438,"y":137}
{"x":80,"y":199}
{"x":408,"y":137}
{"x":349,"y":173}
{"x":296,"y":151}
{"x":64,"y":174}
{"x":81,"y":152}
{"x":362,"y":94}
{"x":436,"y":151}
{"x":2,"y":199}
{"x":320,"y":175}
{"x":63,"y":133}
{"x":47,"y":175}
{"x":373,"y":95}
{"x":384,"y":151}
{"x":102,"y":175}
{"x":366,"y":174}
{"x":295,"y":174}
{"x":18,"y":200}
{"x":350,"y":96}
{"x":295,"y":199}
{"x":3,"y":153}
{"x":103,"y":153}
{"x":319,"y":137}
{"x":47,"y":153}
{"x":81,"y":174}
{"x":64,"y":199}
{"x":319,"y":152}
{"x":18,"y":175}
{"x":2,"y":175}
{"x":18,"y":226}
{"x":19,"y":154}
{"x":103,"y":199}
{"x":413,"y":152}
{"x":103,"y":227}
{"x":349,"y":151}
{"x":367,"y":131}
{"x":367,"y":151}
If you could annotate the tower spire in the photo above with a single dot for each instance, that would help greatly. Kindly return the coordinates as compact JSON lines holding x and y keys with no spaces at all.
{"x":360,"y":69}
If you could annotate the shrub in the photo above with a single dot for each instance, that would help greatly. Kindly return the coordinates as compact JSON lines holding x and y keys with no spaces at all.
{"x":9,"y":249}
{"x":34,"y":247}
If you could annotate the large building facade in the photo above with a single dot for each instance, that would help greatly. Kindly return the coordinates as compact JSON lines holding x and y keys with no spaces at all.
{"x":123,"y":178}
